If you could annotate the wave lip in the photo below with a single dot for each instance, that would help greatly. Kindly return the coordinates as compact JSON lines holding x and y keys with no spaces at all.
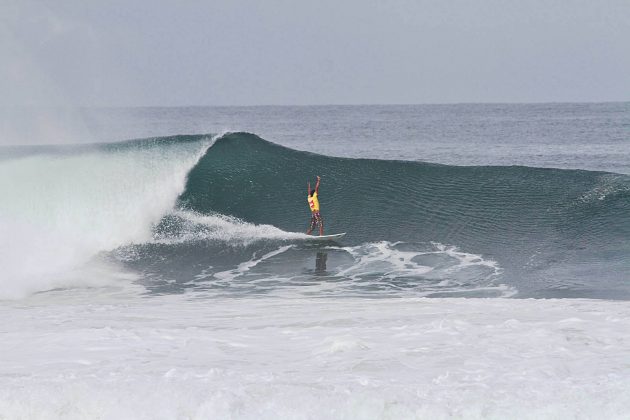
{"x":63,"y":206}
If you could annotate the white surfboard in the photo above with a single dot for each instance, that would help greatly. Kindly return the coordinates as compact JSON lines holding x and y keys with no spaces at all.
{"x":326,"y":237}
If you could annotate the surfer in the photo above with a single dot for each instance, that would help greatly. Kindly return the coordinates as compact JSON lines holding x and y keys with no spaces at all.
{"x":313,"y":202}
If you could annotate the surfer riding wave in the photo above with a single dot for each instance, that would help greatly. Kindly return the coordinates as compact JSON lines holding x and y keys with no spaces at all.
{"x":313,"y":202}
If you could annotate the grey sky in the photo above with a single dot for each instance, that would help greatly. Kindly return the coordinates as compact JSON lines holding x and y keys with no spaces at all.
{"x":224,"y":52}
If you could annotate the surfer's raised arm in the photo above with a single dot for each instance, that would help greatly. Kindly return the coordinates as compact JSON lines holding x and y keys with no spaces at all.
{"x":308,"y":187}
{"x":317,"y":185}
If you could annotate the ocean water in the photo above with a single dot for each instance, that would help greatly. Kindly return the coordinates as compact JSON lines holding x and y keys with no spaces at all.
{"x":154,"y":263}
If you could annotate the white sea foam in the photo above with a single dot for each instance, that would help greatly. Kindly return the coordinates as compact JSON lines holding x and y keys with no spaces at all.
{"x":233,"y":231}
{"x":608,"y":186}
{"x":438,"y":268}
{"x":59,"y":210}
{"x":173,"y":358}
{"x":247,"y":265}
{"x":370,"y":269}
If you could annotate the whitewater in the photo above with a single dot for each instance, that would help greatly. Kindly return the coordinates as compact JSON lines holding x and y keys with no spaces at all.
{"x":60,"y":209}
{"x":188,"y":358}
{"x":168,"y":277}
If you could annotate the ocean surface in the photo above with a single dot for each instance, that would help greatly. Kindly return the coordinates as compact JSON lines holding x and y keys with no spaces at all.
{"x":154,"y":262}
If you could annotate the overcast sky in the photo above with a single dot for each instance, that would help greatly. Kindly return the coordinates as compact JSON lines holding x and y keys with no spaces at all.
{"x":237,"y":52}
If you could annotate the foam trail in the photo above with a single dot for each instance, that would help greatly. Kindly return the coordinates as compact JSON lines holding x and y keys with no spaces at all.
{"x":193,"y":226}
{"x":60,"y":209}
{"x":244,"y":267}
{"x":436,"y":269}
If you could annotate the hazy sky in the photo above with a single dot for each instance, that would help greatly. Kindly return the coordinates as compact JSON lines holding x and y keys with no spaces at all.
{"x":237,"y":52}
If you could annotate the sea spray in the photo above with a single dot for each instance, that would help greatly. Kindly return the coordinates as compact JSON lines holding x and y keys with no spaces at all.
{"x":60,"y":209}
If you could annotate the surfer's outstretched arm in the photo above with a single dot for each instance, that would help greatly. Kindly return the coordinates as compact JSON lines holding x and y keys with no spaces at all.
{"x":308,"y":187}
{"x":317,"y":185}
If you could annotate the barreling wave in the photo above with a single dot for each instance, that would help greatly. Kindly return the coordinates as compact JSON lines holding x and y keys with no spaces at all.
{"x":221,"y":214}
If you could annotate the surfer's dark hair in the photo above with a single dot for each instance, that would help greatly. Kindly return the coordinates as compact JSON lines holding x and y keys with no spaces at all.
{"x":312,"y":192}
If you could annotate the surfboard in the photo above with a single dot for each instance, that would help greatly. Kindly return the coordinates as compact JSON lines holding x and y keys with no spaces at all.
{"x":327,"y":237}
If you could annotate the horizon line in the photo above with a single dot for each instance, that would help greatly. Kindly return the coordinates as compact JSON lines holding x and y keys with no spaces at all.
{"x":321,"y":105}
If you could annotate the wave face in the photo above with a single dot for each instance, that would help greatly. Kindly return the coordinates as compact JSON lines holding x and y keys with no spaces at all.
{"x":553,"y":232}
{"x":226,"y":216}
